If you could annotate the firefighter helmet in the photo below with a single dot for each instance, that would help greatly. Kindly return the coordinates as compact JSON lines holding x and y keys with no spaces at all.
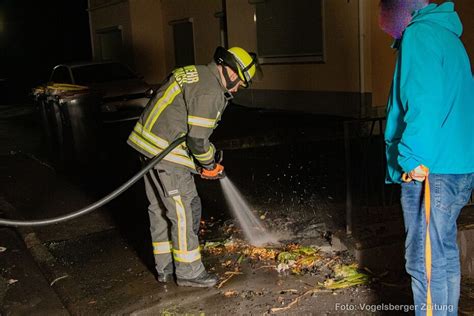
{"x":243,"y":63}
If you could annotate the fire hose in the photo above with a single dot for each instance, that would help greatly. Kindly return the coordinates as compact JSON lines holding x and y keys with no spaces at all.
{"x":106,"y":199}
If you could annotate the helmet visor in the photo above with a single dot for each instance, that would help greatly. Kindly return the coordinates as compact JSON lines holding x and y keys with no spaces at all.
{"x":252,"y":72}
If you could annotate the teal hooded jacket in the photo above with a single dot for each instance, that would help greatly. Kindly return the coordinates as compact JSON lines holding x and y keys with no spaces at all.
{"x":430,"y":111}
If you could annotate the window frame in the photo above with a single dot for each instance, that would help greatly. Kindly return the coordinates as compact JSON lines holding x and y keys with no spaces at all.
{"x":100,"y":33}
{"x":295,"y":58}
{"x":172,"y":23}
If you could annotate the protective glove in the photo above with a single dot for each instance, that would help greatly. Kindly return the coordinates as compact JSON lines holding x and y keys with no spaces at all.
{"x":216,"y":173}
{"x":418,"y":174}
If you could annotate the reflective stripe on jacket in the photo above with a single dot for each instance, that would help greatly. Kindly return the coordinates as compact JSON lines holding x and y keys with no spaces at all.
{"x":190,"y":103}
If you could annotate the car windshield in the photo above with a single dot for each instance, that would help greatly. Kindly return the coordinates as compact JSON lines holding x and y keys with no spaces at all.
{"x":99,"y":73}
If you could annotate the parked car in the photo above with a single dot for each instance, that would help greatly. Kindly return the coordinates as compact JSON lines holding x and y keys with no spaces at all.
{"x":123,"y":93}
{"x":81,"y":98}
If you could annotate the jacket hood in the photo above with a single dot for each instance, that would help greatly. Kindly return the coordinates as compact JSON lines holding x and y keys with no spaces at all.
{"x":443,"y":15}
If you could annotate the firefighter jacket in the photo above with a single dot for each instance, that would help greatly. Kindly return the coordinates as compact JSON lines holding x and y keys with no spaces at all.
{"x":189,"y":103}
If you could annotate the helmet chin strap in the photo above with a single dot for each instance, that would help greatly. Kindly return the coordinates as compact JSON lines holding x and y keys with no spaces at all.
{"x":229,"y":84}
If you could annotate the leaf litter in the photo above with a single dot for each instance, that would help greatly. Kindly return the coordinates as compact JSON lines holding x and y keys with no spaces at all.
{"x":292,"y":258}
{"x":338,"y":268}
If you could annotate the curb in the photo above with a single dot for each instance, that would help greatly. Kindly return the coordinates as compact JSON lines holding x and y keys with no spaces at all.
{"x":53,"y":271}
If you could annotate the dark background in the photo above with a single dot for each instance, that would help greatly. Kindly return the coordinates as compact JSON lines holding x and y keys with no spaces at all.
{"x":34,"y":37}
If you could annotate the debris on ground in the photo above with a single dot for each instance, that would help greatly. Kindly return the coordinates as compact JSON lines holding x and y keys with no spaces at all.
{"x":291,"y":258}
{"x":294,"y":302}
{"x":240,"y":247}
{"x":307,"y":252}
{"x":466,"y":226}
{"x":12,"y":281}
{"x":298,"y":259}
{"x":229,"y":275}
{"x":337,"y":268}
{"x":346,"y":276}
{"x":230,"y":293}
{"x":57,"y":279}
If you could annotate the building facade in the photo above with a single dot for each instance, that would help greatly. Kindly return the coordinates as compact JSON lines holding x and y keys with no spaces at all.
{"x":319,"y":56}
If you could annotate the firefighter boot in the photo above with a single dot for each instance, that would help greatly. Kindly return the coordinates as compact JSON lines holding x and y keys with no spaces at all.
{"x":204,"y":279}
{"x":167,"y":275}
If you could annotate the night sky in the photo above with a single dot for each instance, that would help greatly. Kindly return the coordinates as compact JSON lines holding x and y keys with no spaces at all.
{"x":35,"y":36}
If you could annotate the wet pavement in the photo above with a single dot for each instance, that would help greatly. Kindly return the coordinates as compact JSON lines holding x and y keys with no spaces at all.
{"x":102,"y":263}
{"x":23,"y":289}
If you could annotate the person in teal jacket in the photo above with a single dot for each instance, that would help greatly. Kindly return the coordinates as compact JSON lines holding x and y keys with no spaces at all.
{"x":430,"y":143}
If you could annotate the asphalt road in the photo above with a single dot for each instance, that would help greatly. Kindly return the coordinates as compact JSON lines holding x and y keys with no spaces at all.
{"x":102,"y":263}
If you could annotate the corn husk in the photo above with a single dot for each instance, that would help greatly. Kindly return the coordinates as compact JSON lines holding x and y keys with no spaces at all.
{"x":297,"y":259}
{"x":346,"y":276}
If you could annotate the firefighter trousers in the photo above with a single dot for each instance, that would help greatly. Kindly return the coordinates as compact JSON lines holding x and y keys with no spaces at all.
{"x":174,"y":211}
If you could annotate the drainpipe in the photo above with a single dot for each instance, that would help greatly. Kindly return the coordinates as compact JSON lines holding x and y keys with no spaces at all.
{"x":222,"y":16}
{"x":225,"y":39}
{"x":362,"y":98}
{"x":90,"y":28}
{"x":362,"y":110}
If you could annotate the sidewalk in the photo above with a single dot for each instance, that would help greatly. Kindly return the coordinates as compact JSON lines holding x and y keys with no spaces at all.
{"x":23,"y":288}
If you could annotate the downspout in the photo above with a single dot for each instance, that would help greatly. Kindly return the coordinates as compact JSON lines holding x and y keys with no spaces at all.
{"x":222,"y":16}
{"x":90,"y":28}
{"x":362,"y":96}
{"x":362,"y":110}
{"x":224,"y":38}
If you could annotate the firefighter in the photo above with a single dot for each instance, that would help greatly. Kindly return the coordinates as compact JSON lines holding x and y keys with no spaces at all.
{"x":191,"y":103}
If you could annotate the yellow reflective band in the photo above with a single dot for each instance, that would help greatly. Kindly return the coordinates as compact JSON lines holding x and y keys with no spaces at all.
{"x":66,"y":87}
{"x":153,"y":150}
{"x":158,"y":141}
{"x":207,"y":156}
{"x":181,"y":214}
{"x":163,"y":102}
{"x":187,"y":256}
{"x":162,"y":247}
{"x":201,"y":121}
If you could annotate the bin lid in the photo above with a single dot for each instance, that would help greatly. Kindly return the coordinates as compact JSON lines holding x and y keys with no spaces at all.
{"x":60,"y":89}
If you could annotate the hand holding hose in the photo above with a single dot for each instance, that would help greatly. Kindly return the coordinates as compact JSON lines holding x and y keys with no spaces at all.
{"x":215,"y":173}
{"x":419,"y":174}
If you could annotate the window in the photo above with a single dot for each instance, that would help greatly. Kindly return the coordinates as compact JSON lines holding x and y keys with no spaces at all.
{"x":61,"y":75}
{"x":110,"y":43}
{"x":289,"y":31}
{"x":183,"y":38}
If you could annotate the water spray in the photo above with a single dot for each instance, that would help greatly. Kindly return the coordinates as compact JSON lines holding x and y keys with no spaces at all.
{"x":254,"y":231}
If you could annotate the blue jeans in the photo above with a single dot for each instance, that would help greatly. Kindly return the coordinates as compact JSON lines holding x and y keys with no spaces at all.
{"x":449,"y":193}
